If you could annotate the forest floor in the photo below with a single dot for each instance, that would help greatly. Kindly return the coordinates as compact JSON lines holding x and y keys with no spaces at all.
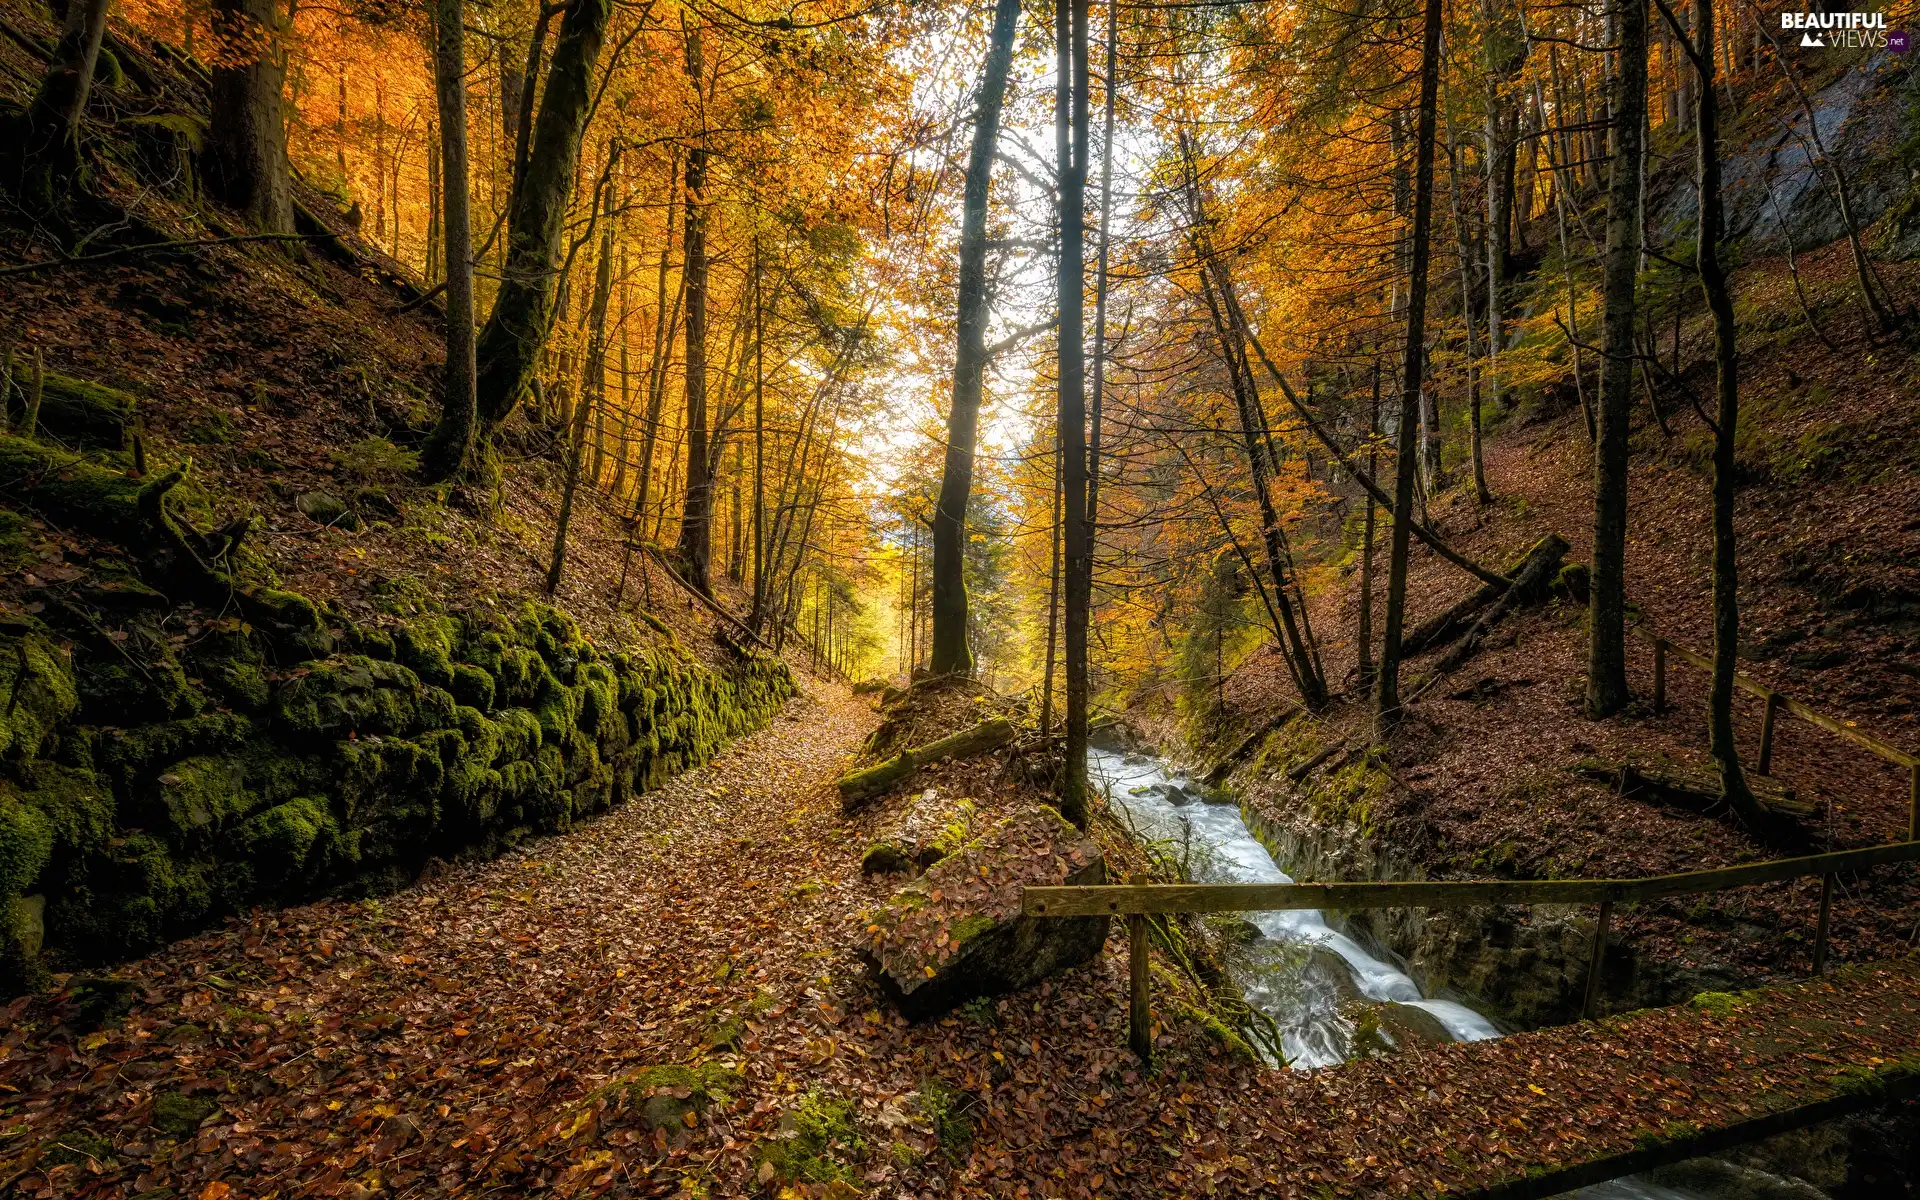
{"x":503,"y":1029}
{"x":1829,"y":528}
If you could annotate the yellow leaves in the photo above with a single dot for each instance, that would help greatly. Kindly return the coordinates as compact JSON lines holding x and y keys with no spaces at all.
{"x":1536,"y":1090}
{"x":93,"y":1041}
{"x":215,"y":1191}
{"x":581,"y":1120}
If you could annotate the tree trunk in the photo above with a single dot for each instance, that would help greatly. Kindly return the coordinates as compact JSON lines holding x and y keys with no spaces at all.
{"x":1463,"y":236}
{"x":663,"y":331}
{"x":247,"y":140}
{"x":449,"y":449}
{"x":1053,"y":597}
{"x":1607,"y":691}
{"x":1726,"y":364}
{"x":696,"y":516}
{"x":516,"y":330}
{"x":1387,"y":694}
{"x":51,"y":152}
{"x":1365,"y":634}
{"x":951,"y":653}
{"x":577,"y":444}
{"x":759,"y":614}
{"x":1070,"y":117}
{"x":1100,"y":275}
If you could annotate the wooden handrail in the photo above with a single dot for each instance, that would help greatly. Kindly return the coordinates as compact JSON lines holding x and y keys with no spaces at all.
{"x":1135,"y":901}
{"x":1117,"y":899}
{"x":1752,"y":686}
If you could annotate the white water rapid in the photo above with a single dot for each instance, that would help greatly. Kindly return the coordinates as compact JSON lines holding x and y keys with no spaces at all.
{"x":1296,"y":968}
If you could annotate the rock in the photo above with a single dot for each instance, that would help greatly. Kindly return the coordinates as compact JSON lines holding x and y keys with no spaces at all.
{"x":99,"y":999}
{"x":673,"y":1098}
{"x":957,"y":933}
{"x":1409,"y":1026}
{"x":927,"y":832}
{"x":85,"y":415}
{"x":180,"y":1114}
{"x":323,"y":508}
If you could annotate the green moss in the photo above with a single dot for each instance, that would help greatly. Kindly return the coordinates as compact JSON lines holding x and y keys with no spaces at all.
{"x":426,"y":644}
{"x":282,"y":847}
{"x":199,"y":797}
{"x":968,"y":928}
{"x":1720,"y":1004}
{"x":75,"y":1147}
{"x":77,"y":808}
{"x":26,"y":843}
{"x":346,"y":695}
{"x":819,"y":1141}
{"x":519,"y":735}
{"x":231,"y":664}
{"x":39,"y":693}
{"x":77,"y":493}
{"x":84,"y":415}
{"x":180,"y":1114}
{"x":472,"y":687}
{"x":951,"y":1111}
{"x":883,"y":858}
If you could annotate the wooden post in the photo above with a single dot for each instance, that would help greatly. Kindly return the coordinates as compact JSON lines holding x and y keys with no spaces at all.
{"x":1139,"y":1012}
{"x":1774,"y":700}
{"x":1826,"y":919}
{"x":1659,"y":674}
{"x":1596,"y":960}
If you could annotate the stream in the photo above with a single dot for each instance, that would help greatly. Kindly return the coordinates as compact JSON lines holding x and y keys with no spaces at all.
{"x":1312,"y":979}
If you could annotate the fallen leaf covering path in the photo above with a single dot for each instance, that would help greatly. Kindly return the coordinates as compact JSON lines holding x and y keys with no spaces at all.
{"x":492,"y":1032}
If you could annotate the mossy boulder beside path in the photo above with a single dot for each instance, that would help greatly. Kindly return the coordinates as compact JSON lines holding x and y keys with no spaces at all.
{"x":956,"y":933}
{"x":162,"y":767}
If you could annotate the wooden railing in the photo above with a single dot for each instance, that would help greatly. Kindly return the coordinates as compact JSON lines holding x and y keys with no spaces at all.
{"x":1135,"y":901}
{"x":1775,"y":701}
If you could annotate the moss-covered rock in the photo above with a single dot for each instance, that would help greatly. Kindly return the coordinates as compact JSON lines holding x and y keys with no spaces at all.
{"x":85,"y":415}
{"x":349,"y":695}
{"x":40,"y":692}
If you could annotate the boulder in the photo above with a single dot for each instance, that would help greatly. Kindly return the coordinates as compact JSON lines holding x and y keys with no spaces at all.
{"x":324,"y":508}
{"x":957,"y":933}
{"x":930,"y":829}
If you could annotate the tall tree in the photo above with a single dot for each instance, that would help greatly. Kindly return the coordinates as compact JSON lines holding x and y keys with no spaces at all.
{"x":1413,"y":371}
{"x":247,"y":133}
{"x":49,"y":149}
{"x":517,"y":328}
{"x":951,"y":653}
{"x":1607,"y":691}
{"x":1070,"y":141}
{"x":448,"y":449}
{"x":1726,"y":418}
{"x":593,"y":377}
{"x":696,"y":518}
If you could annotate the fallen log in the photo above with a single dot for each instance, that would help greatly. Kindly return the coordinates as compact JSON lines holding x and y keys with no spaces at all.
{"x":861,"y":786}
{"x":1693,"y":789}
{"x":1445,"y":627}
{"x":1217,"y":774}
{"x":1531,"y":581}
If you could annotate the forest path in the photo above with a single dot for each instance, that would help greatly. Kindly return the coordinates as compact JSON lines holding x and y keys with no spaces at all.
{"x":440,"y":1039}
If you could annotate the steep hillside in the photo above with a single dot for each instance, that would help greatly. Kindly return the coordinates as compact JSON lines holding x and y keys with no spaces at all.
{"x":248,"y":659}
{"x":1485,"y":780}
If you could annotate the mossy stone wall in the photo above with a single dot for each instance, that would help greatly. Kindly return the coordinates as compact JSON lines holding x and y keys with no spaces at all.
{"x":150,"y":784}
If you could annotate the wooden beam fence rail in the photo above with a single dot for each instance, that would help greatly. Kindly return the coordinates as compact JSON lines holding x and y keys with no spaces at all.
{"x":1136,"y":900}
{"x":1775,"y":701}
